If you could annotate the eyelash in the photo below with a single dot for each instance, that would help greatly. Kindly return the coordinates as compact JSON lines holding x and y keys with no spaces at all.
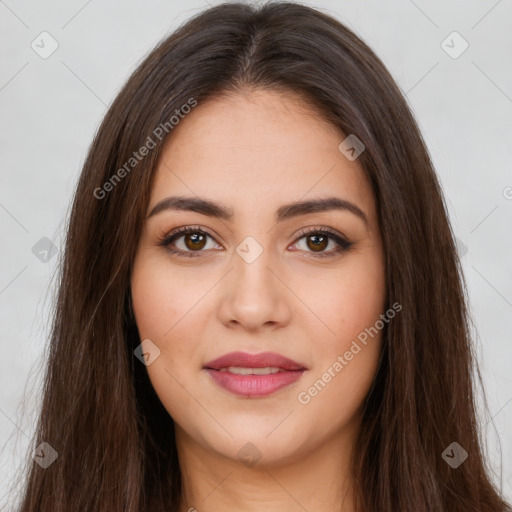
{"x":343,"y":244}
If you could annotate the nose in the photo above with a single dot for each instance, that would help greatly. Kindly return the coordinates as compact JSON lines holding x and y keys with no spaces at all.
{"x":254,"y":296}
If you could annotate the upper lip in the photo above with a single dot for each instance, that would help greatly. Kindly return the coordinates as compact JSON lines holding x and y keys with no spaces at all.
{"x":246,"y":360}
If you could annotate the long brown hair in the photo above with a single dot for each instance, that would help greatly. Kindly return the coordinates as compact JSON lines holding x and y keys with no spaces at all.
{"x":114,"y":439}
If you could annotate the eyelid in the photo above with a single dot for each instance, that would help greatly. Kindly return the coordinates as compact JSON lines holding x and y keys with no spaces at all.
{"x":343,"y":243}
{"x":321,"y":229}
{"x":165,"y":240}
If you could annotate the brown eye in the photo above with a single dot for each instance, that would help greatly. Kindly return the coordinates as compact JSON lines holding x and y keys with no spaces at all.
{"x":195,"y":241}
{"x":188,"y":241}
{"x":317,"y":242}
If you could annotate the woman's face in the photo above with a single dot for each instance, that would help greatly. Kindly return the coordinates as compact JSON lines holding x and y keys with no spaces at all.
{"x":263,"y":278}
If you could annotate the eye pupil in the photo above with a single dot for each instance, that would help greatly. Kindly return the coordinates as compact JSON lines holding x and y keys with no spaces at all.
{"x":198,"y":238}
{"x":318,"y":245}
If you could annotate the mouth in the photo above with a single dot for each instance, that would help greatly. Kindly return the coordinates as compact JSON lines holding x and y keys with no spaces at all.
{"x":254,"y":375}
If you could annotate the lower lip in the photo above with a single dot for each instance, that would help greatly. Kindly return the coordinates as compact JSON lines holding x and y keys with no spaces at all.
{"x":254,"y":385}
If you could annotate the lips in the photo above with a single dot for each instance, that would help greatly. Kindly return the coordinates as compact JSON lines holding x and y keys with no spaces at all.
{"x":246,"y":360}
{"x":237,"y":373}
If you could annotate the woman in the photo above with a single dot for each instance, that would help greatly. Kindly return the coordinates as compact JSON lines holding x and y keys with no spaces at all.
{"x":260,"y":305}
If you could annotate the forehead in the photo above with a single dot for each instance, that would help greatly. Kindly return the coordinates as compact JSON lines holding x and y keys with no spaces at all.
{"x":255,"y":150}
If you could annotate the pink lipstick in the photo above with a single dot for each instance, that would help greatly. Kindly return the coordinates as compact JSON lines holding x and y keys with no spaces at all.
{"x":254,"y":375}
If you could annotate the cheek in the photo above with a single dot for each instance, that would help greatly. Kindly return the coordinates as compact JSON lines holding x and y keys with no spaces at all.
{"x":347,"y":348}
{"x":165,"y":305}
{"x":162,"y":298}
{"x":344,"y":302}
{"x":169,"y":305}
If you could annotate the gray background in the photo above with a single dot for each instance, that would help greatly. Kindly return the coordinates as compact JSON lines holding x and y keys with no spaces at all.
{"x":51,"y":108}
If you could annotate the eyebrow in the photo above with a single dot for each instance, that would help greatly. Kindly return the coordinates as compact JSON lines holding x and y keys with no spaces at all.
{"x":285,"y":212}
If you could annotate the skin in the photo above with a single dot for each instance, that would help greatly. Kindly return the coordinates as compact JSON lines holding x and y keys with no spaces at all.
{"x":253,"y":152}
